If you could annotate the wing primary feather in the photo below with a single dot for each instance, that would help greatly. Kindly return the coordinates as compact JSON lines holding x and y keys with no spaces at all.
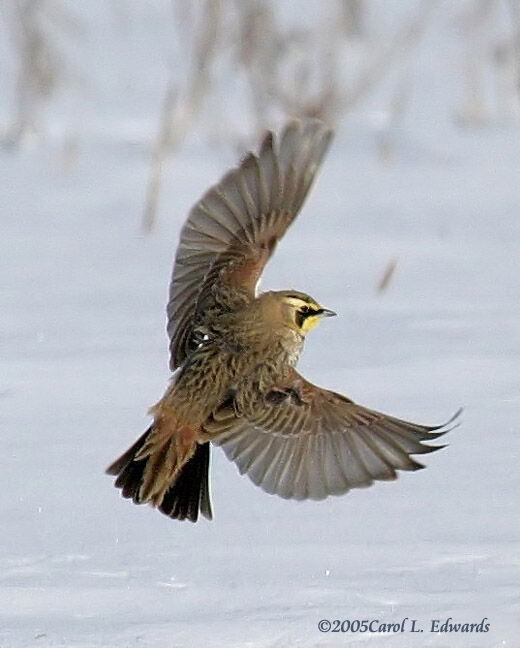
{"x":218,"y":223}
{"x":261,"y":469}
{"x":379,"y":454}
{"x":303,"y":181}
{"x":278,"y":464}
{"x":321,"y":440}
{"x":245,"y":193}
{"x":255,"y":183}
{"x":336,"y":453}
{"x":244,"y":447}
{"x":277,"y":190}
{"x":263,"y":182}
{"x":301,"y":479}
{"x":287,"y":460}
{"x":232,"y":208}
{"x":403,"y":461}
{"x":254,"y":456}
{"x":353,"y":440}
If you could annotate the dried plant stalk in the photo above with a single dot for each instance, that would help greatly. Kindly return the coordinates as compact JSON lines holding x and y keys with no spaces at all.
{"x":180,"y":110}
{"x":40,"y":64}
{"x":387,"y":277}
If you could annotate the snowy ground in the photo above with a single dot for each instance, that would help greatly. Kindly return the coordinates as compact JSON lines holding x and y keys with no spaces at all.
{"x":83,"y":355}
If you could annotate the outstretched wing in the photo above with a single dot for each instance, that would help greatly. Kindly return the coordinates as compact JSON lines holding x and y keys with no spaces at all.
{"x":232,"y":231}
{"x":308,"y":442}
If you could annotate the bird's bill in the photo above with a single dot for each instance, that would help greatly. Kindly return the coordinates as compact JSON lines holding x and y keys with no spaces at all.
{"x":325,"y":312}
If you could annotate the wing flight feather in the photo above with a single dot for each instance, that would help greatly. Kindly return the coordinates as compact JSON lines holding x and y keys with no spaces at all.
{"x":320,"y":443}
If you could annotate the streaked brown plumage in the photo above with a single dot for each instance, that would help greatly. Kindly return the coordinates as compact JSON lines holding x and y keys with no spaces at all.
{"x":233,"y":354}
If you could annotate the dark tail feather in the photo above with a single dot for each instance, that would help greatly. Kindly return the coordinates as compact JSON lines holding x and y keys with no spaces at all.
{"x":124,"y":459}
{"x":129,"y":472}
{"x":189,"y":494}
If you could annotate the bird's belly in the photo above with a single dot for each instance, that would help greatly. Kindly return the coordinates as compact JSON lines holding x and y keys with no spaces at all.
{"x":205,"y":382}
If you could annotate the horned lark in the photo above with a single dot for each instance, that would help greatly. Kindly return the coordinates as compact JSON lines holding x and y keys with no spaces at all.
{"x":233,"y":354}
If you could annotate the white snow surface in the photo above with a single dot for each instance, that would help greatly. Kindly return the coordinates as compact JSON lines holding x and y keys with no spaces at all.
{"x":83,"y":354}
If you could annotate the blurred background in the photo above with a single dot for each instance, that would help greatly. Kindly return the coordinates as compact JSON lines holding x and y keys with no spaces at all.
{"x":155,"y":75}
{"x":115,"y":116}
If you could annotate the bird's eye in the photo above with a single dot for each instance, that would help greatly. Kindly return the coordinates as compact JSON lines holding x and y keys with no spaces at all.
{"x":305,"y":310}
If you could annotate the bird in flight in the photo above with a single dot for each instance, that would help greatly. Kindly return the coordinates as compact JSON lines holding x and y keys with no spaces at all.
{"x":233,"y":354}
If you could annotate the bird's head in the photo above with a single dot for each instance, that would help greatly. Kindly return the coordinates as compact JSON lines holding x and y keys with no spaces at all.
{"x":299,"y":311}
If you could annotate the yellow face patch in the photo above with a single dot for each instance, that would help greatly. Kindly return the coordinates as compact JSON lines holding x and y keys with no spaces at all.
{"x":310,"y":322}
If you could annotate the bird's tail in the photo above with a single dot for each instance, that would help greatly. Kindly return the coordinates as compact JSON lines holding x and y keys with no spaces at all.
{"x":171,"y":476}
